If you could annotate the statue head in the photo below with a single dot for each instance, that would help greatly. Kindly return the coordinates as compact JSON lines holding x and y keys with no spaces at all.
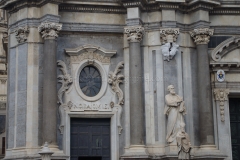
{"x":171,"y":89}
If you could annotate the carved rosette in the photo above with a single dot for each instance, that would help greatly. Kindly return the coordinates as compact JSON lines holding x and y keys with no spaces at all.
{"x":134,"y":33}
{"x":221,"y":95}
{"x":66,"y":80}
{"x":49,"y":30}
{"x":169,"y":35}
{"x":22,"y":34}
{"x":114,"y":80}
{"x":201,"y":35}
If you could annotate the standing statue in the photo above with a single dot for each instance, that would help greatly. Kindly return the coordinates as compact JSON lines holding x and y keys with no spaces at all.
{"x":175,"y":110}
{"x":183,"y":143}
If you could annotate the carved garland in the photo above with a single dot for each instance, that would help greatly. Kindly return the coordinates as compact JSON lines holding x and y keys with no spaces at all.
{"x":221,"y":95}
{"x":21,"y":34}
{"x":114,"y":80}
{"x":66,"y":81}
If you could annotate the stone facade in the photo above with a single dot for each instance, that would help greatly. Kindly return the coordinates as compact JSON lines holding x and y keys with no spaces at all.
{"x":139,"y":48}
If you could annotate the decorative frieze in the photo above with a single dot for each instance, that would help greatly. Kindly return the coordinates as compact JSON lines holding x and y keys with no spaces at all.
{"x":22,"y":34}
{"x":169,"y":35}
{"x":201,"y":35}
{"x":49,"y":30}
{"x":134,"y":33}
{"x":221,"y":95}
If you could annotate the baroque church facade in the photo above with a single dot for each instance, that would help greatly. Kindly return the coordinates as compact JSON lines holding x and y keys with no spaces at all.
{"x":120,"y":79}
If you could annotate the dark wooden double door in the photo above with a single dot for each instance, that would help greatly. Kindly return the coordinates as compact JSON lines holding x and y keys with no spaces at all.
{"x":90,"y":139}
{"x":234,"y":105}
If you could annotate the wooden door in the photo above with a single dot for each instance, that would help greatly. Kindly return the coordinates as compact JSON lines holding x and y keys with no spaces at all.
{"x":90,"y":138}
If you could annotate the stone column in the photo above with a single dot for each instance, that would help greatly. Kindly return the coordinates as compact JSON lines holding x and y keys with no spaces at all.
{"x":49,"y":33}
{"x":201,"y":38}
{"x":134,"y":37}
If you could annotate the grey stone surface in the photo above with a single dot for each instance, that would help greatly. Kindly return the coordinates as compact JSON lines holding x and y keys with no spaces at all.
{"x":136,"y":95}
{"x":205,"y":97}
{"x":49,"y":130}
{"x":11,"y":98}
{"x":21,"y":95}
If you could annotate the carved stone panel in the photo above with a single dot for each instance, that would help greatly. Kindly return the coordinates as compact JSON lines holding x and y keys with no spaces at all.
{"x":221,"y":95}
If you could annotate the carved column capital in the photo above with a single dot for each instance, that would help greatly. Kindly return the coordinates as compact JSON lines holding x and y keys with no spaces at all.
{"x":201,"y":35}
{"x":49,"y":30}
{"x":22,"y":34}
{"x":134,"y":33}
{"x":221,"y":95}
{"x":169,"y":35}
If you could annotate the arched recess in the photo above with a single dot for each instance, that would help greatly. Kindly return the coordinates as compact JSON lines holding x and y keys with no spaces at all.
{"x":225,"y":47}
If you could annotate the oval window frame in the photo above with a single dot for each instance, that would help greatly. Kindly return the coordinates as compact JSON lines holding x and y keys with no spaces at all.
{"x":103,"y":73}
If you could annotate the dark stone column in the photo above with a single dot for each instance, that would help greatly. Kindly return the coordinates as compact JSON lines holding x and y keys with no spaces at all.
{"x":49,"y":125}
{"x":135,"y":34}
{"x":201,"y":37}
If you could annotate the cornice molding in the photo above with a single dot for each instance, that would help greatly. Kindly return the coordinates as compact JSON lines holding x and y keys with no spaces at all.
{"x":14,"y":5}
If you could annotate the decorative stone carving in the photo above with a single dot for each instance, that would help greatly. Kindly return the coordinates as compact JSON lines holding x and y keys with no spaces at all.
{"x":90,"y":56}
{"x":183,"y":143}
{"x":175,"y":110}
{"x":49,"y":30}
{"x":169,"y":50}
{"x":114,"y":80}
{"x":169,"y":35}
{"x":22,"y":34}
{"x":134,"y":33}
{"x":3,"y":81}
{"x":66,"y":81}
{"x":90,"y":53}
{"x":221,"y":95}
{"x":225,"y":47}
{"x":2,"y":105}
{"x":201,"y":35}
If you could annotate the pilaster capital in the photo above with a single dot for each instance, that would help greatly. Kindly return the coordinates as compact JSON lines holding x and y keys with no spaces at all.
{"x":22,"y":34}
{"x":169,"y":35}
{"x":134,"y":33}
{"x":49,"y":30}
{"x":201,"y":35}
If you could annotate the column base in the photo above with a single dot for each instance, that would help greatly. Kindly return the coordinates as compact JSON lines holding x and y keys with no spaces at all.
{"x":135,"y":152}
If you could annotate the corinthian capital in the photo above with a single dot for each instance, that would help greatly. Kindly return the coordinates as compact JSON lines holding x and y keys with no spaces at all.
{"x":49,"y":30}
{"x":169,"y":35}
{"x":201,"y":35}
{"x":134,"y":33}
{"x":21,"y":34}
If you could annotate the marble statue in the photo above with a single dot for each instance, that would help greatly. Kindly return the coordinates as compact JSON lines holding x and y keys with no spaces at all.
{"x":175,"y":110}
{"x":169,"y":50}
{"x":183,"y":143}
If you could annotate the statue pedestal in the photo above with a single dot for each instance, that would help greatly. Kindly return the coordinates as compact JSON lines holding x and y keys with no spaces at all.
{"x":136,"y":152}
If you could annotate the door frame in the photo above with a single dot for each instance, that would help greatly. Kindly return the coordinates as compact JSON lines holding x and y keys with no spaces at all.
{"x":114,"y":134}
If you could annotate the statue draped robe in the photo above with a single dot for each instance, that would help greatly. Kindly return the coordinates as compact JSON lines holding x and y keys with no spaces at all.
{"x":174,"y":109}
